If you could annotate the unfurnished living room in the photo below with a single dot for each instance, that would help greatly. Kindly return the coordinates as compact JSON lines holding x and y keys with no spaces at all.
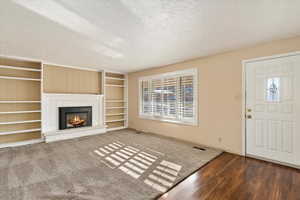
{"x":149,"y":99}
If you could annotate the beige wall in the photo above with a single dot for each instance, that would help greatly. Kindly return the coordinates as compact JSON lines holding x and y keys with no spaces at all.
{"x":220,"y":97}
{"x":68,"y":80}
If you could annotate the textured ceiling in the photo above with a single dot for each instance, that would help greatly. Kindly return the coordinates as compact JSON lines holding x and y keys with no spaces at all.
{"x":131,"y":35}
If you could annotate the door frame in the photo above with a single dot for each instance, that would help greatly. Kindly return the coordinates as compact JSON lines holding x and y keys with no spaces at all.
{"x":244,"y":75}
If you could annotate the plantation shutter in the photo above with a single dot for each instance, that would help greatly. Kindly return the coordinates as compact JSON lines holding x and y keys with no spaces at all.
{"x":169,"y":98}
{"x":186,"y":105}
{"x":157,"y":99}
{"x":146,"y":98}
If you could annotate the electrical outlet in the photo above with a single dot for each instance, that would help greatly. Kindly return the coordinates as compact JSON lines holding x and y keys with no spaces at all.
{"x":220,"y":140}
{"x":143,"y":131}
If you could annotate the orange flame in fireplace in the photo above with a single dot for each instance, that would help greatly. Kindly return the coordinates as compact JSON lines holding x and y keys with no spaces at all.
{"x":76,"y":121}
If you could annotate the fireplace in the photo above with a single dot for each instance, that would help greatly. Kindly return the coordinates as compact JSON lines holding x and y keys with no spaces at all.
{"x":75,"y":117}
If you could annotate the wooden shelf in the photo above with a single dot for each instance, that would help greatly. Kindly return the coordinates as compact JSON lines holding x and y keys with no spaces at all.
{"x":114,"y":75}
{"x":19,"y":122}
{"x":116,"y":114}
{"x":21,"y":112}
{"x":20,"y":68}
{"x":115,"y":125}
{"x":20,"y":101}
{"x":19,"y":78}
{"x":111,"y":85}
{"x":115,"y":120}
{"x":113,"y":78}
{"x":20,"y":131}
{"x":115,"y":107}
{"x":115,"y":101}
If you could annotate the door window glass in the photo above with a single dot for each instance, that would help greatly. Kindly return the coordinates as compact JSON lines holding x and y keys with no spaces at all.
{"x":273,"y":89}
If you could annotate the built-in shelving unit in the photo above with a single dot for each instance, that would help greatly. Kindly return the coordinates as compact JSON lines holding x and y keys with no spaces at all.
{"x":20,"y":98}
{"x":115,"y":104}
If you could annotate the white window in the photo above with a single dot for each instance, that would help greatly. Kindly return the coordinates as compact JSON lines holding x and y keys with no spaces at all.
{"x":169,"y":97}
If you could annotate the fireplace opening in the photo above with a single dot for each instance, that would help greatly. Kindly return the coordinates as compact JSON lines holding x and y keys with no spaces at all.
{"x":75,"y":117}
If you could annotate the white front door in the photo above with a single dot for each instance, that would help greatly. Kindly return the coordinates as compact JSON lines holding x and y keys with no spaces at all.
{"x":273,"y":109}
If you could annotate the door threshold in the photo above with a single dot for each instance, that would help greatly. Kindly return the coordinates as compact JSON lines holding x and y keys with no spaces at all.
{"x":273,"y":161}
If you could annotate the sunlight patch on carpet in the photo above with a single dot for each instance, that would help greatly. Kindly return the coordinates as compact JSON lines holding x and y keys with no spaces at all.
{"x":135,"y":162}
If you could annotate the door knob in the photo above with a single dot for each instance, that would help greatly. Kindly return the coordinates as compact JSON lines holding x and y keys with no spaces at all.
{"x":249,"y":116}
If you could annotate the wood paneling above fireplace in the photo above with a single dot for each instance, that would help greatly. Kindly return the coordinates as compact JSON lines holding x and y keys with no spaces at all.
{"x":71,"y":81}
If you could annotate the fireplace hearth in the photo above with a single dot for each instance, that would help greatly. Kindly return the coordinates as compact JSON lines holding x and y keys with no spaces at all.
{"x":75,"y":117}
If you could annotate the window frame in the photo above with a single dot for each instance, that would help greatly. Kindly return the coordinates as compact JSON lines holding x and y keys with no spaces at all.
{"x":188,"y":72}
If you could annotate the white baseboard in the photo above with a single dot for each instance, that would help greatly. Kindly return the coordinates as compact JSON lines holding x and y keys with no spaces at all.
{"x":22,"y":143}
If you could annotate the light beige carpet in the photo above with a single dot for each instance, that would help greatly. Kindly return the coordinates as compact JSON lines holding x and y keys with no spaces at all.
{"x":117,"y":165}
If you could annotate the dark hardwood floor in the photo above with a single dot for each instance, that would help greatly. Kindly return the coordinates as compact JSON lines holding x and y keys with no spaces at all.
{"x":231,"y":177}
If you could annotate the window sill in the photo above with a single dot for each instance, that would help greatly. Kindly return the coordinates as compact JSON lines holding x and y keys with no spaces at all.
{"x":168,"y":120}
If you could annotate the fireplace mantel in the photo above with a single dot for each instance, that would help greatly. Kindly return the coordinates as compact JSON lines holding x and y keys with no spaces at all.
{"x":50,"y":123}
